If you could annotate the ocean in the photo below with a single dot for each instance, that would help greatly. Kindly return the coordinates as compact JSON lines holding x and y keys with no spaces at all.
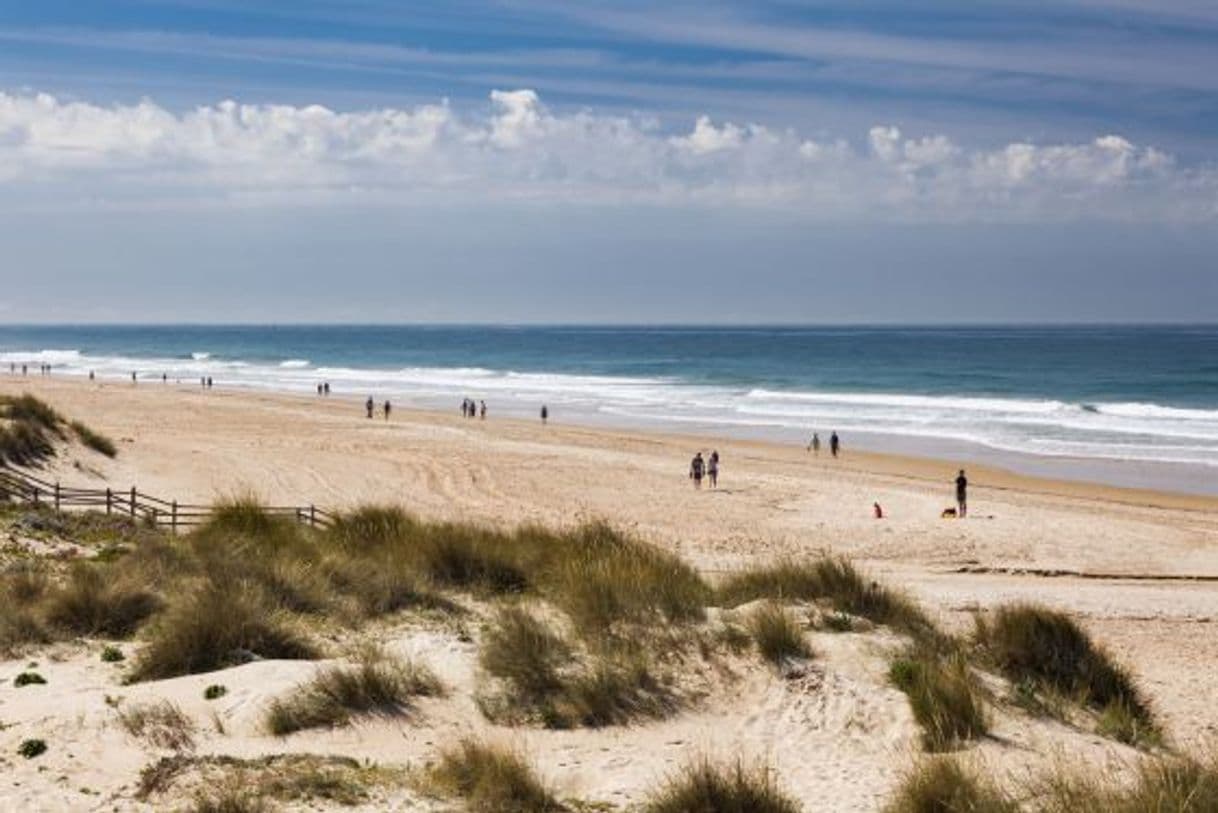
{"x":1130,"y":405}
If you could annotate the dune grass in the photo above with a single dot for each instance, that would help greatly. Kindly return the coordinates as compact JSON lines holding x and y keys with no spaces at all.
{"x":834,"y":580}
{"x":778,"y":637}
{"x":22,"y":586}
{"x":548,"y":680}
{"x":943,"y":785}
{"x":1174,"y":784}
{"x":160,"y":724}
{"x":29,"y":430}
{"x":709,"y":788}
{"x":377,"y":684}
{"x":1037,"y":646}
{"x":92,"y":602}
{"x":94,"y":440}
{"x":490,"y":779}
{"x":945,"y":698}
{"x":216,"y":625}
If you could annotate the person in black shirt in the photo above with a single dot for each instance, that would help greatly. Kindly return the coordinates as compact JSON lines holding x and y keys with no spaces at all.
{"x":834,"y":444}
{"x":961,"y":494}
{"x":696,"y":467}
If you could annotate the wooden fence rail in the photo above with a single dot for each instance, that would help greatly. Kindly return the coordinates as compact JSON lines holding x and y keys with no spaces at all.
{"x":25,"y":488}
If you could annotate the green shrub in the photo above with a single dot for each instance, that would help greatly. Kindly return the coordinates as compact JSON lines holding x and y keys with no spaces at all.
{"x":944,"y":696}
{"x":32,"y":748}
{"x":491,"y":779}
{"x":779,"y":638}
{"x":944,"y":786}
{"x":704,"y":787}
{"x":29,"y":679}
{"x":214,"y":692}
{"x":112,"y":654}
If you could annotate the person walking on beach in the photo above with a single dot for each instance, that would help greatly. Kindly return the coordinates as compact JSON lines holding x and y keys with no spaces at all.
{"x":545,"y":413}
{"x":326,"y":388}
{"x":961,"y":495}
{"x":814,"y":444}
{"x":369,"y":406}
{"x":482,"y":414}
{"x":712,"y":469}
{"x":696,"y":468}
{"x":387,"y":408}
{"x":834,"y":444}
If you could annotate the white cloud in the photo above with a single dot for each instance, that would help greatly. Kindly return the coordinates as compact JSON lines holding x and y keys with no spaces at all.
{"x":146,"y":155}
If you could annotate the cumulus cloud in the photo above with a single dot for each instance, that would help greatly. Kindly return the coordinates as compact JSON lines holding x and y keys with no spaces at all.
{"x":145,"y":154}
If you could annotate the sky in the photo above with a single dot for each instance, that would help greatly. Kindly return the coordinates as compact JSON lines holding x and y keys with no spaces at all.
{"x":565,"y":161}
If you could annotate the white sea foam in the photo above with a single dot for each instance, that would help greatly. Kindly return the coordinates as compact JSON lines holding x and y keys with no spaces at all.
{"x":1101,"y":430}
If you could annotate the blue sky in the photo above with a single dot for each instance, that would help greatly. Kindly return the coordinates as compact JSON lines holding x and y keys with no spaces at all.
{"x":1067,"y":144}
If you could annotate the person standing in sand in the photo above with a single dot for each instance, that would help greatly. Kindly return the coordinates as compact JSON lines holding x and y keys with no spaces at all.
{"x":388,"y":407}
{"x":545,"y":413}
{"x":482,"y":415}
{"x":961,"y":494}
{"x":369,"y":406}
{"x":696,"y":468}
{"x":712,"y":469}
{"x":834,"y":444}
{"x":814,"y":444}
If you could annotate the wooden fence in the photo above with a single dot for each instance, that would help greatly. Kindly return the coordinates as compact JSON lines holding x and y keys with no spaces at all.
{"x":25,"y":488}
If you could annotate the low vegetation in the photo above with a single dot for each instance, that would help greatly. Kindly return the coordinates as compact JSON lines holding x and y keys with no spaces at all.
{"x":30,"y":429}
{"x":29,"y":679}
{"x":162,"y":725}
{"x":778,"y":636}
{"x":943,"y":785}
{"x":549,"y":679}
{"x":94,"y":440}
{"x":489,"y":779}
{"x":377,"y":684}
{"x":92,"y":602}
{"x":945,"y":698}
{"x":1046,"y":650}
{"x":705,"y":786}
{"x":835,"y":581}
{"x":31,"y":748}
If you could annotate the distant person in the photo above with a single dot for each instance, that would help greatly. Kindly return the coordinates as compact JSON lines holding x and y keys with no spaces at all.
{"x":545,"y":414}
{"x":961,"y":495}
{"x":319,"y":390}
{"x":835,"y":444}
{"x":210,"y":382}
{"x":369,"y":406}
{"x":482,"y":410}
{"x":164,"y":378}
{"x":326,"y":388}
{"x":387,"y":408}
{"x":203,"y":382}
{"x":712,"y":469}
{"x":464,"y":407}
{"x":132,"y":376}
{"x":24,"y":369}
{"x":814,"y":444}
{"x":696,"y":470}
{"x":877,"y":511}
{"x":90,"y":375}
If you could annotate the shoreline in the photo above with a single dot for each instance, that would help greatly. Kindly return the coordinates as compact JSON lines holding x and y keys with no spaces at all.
{"x":934,"y":471}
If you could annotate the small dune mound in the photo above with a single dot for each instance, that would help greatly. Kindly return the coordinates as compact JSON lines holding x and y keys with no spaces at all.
{"x":31,"y":432}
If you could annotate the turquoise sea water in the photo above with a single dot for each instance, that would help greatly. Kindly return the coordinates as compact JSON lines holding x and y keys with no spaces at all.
{"x":1130,"y":395}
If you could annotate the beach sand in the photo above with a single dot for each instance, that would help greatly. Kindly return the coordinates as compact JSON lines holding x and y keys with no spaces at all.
{"x":1138,"y":568}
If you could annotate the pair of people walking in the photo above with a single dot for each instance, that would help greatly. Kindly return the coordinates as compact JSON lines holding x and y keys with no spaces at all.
{"x":835,"y":444}
{"x":707,"y":467}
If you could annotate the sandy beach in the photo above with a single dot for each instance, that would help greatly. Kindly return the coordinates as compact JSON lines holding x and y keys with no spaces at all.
{"x":1138,"y":568}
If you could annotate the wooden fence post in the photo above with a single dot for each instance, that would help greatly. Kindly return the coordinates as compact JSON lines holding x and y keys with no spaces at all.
{"x":109,"y":500}
{"x":133,"y":502}
{"x":312,"y":516}
{"x":56,"y":495}
{"x":173,"y":519}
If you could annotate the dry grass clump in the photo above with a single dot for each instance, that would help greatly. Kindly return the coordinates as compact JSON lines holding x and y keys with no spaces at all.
{"x":490,"y":779}
{"x":709,"y":788}
{"x":943,"y":785}
{"x":161,"y":724}
{"x":94,"y":440}
{"x":252,"y":782}
{"x":546,"y":678}
{"x":1184,"y":784}
{"x":602,"y":577}
{"x":22,"y":586}
{"x":945,"y":698}
{"x":217,"y":625}
{"x":778,"y":636}
{"x":376,"y":684}
{"x":29,"y":430}
{"x":92,"y":602}
{"x":834,"y":580}
{"x":1034,"y":645}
